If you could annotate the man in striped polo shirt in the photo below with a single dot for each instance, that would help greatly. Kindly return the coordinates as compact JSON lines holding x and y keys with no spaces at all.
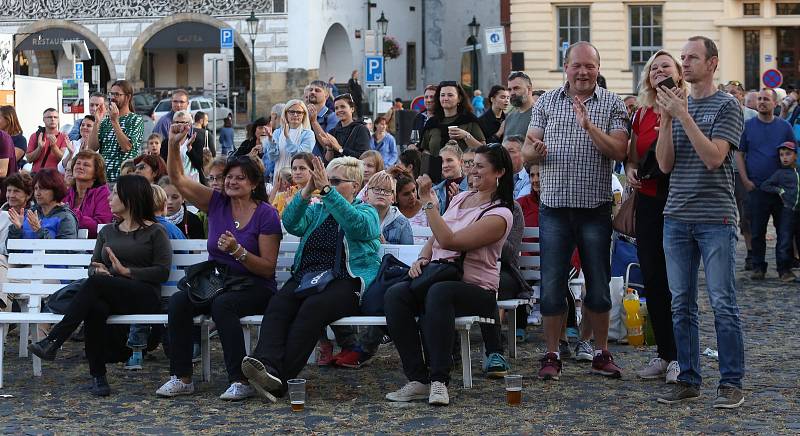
{"x":697,"y":138}
{"x":575,"y":132}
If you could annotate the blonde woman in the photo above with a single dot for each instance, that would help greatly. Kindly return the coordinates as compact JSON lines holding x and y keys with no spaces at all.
{"x":293,"y":136}
{"x":651,"y":197}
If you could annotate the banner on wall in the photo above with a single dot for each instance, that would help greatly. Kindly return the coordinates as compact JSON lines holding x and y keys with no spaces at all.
{"x":6,"y":62}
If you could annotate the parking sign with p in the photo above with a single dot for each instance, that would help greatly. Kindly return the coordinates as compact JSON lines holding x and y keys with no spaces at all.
{"x":373,"y":67}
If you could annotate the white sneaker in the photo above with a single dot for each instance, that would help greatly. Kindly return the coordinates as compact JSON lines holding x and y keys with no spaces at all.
{"x":535,"y":318}
{"x":238,"y":391}
{"x":438,"y":395}
{"x":175,"y":387}
{"x":413,"y":390}
{"x":654,"y":369}
{"x":673,"y":370}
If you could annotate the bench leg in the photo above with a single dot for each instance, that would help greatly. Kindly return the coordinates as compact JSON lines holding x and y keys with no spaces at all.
{"x":37,"y":362}
{"x":512,"y":333}
{"x":247,"y":339}
{"x":24,"y":328}
{"x":466,"y":360}
{"x":2,"y":342}
{"x":205,"y":351}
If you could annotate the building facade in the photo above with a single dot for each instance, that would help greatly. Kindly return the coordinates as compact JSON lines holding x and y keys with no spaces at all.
{"x":159,"y":44}
{"x":753,"y":36}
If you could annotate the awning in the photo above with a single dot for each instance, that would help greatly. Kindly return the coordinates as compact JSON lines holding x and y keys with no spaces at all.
{"x":185,"y":35}
{"x":51,"y":39}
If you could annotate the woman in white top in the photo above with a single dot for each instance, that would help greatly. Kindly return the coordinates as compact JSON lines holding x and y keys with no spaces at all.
{"x":292,"y":137}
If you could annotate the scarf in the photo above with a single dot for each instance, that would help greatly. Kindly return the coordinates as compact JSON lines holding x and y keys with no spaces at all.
{"x":177,"y":218}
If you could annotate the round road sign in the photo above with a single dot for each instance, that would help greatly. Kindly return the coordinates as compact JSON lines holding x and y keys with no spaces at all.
{"x":772,"y":78}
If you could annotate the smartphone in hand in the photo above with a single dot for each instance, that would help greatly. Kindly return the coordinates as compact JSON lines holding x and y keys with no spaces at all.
{"x":669,"y":83}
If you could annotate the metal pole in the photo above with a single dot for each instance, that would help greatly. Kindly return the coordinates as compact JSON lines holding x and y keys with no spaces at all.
{"x":214,"y":102}
{"x":476,"y":82}
{"x":253,"y":81}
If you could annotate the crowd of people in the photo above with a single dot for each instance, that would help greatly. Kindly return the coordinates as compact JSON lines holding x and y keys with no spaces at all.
{"x":699,"y":161}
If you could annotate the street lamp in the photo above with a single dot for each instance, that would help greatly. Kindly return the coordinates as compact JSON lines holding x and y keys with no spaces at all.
{"x":383,"y":25}
{"x":474,"y":27}
{"x":252,"y":29}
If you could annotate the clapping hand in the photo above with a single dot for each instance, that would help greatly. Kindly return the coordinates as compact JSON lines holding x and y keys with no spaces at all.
{"x":33,"y":221}
{"x":113,"y":112}
{"x":117,"y":266}
{"x":581,"y":114}
{"x":100,"y":269}
{"x":318,"y":174}
{"x":425,"y":189}
{"x":452,"y":190}
{"x":15,"y":217}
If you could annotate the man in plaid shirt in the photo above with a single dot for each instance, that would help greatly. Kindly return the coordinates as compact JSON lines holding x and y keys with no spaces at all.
{"x":576,"y":131}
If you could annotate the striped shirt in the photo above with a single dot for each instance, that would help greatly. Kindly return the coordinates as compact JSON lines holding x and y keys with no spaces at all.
{"x":574,"y":173}
{"x":697,"y":194}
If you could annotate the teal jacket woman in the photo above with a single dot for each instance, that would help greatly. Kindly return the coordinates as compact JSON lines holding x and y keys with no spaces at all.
{"x":359,"y":222}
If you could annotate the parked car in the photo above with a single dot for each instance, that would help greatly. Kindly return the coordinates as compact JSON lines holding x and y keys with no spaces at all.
{"x":196,"y":103}
{"x":144,"y":103}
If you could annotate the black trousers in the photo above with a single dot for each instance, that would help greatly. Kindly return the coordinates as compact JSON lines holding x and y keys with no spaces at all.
{"x":438,"y":307}
{"x":99,"y":297}
{"x":650,"y":250}
{"x":225,"y":310}
{"x":292,"y":324}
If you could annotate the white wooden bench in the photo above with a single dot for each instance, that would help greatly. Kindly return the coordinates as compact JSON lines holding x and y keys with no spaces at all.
{"x":34,"y":262}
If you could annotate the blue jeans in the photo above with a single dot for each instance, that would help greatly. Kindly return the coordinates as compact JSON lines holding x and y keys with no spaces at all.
{"x":784,"y":253}
{"x":762,"y":205}
{"x":137,"y":336}
{"x":684,"y":245}
{"x":560,"y":231}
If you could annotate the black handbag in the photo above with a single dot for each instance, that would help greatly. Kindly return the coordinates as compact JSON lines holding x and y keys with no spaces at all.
{"x":648,"y":164}
{"x":391,"y":272}
{"x":60,"y":300}
{"x":203,"y":281}
{"x":316,"y":281}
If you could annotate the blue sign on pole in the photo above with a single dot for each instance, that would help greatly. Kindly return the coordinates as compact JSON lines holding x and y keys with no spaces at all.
{"x":79,"y":71}
{"x":373,"y":70}
{"x":226,"y":38}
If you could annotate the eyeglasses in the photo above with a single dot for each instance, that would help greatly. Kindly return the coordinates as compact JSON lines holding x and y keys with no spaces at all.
{"x":336,"y":181}
{"x":494,"y":145}
{"x":517,"y":75}
{"x":469,"y":163}
{"x":295,"y":113}
{"x":382,"y":192}
{"x":214,"y":178}
{"x":116,"y":94}
{"x":180,"y":122}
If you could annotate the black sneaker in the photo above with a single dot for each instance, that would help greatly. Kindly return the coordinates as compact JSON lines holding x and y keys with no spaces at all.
{"x":563,"y":349}
{"x":680,"y":393}
{"x":100,"y":387}
{"x":728,"y":397}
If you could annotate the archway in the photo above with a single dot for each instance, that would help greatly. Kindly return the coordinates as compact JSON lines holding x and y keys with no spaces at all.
{"x":336,"y":57}
{"x":40,"y":53}
{"x":169,"y":53}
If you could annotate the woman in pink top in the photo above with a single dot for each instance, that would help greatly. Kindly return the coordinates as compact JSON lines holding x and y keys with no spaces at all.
{"x":476,"y":224}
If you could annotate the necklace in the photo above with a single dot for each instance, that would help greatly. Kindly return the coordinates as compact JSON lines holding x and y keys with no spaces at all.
{"x":236,"y":224}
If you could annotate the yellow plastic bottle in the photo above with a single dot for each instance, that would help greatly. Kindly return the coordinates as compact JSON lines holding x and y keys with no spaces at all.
{"x":633,"y":321}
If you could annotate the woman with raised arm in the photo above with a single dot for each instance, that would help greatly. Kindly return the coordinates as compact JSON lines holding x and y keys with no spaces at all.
{"x":130,"y":261}
{"x":466,"y":243}
{"x":244,"y":234}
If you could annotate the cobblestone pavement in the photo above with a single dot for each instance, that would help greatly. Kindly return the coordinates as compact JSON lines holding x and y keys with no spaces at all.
{"x":351,"y":401}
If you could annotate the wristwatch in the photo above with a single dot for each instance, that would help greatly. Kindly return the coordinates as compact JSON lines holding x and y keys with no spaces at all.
{"x":325,"y":190}
{"x":428,"y":205}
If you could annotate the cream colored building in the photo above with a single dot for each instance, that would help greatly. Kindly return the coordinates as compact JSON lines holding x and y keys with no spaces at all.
{"x":752,"y":36}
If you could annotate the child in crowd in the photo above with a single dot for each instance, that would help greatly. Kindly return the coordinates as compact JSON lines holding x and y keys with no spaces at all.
{"x":380,"y":193}
{"x":127,"y":167}
{"x":784,"y":182}
{"x":177,"y":214}
{"x":154,"y":144}
{"x":139,"y":334}
{"x":477,"y":103}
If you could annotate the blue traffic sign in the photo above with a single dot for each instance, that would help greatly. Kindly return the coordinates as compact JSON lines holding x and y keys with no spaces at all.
{"x":373,"y":68}
{"x":226,"y":38}
{"x":79,"y":71}
{"x":772,"y":78}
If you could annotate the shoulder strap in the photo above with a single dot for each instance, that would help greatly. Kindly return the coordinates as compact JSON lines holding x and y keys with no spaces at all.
{"x":337,"y":262}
